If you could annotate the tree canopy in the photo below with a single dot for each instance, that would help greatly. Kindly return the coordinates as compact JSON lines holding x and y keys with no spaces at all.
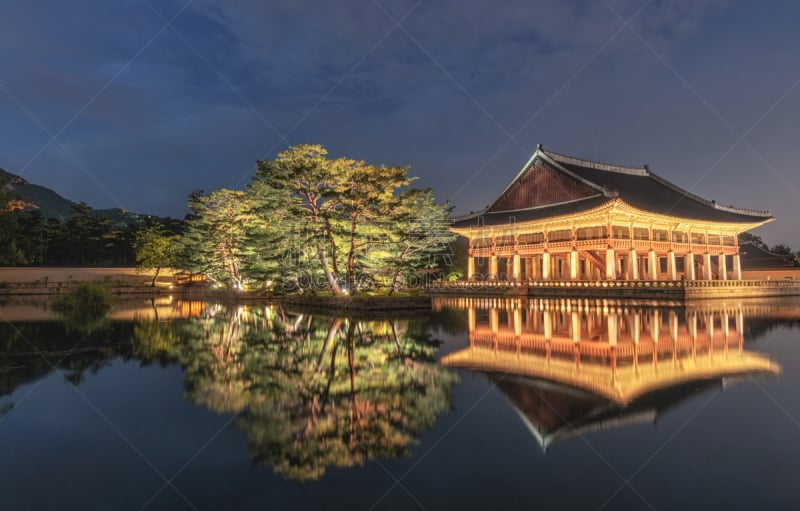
{"x":310,"y":222}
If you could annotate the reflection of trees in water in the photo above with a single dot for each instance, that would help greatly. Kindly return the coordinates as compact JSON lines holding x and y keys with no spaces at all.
{"x":312,"y":392}
{"x":30,"y":350}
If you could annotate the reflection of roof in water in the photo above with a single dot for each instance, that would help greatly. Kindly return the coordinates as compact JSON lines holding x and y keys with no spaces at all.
{"x":623,"y":385}
{"x":554,"y":412}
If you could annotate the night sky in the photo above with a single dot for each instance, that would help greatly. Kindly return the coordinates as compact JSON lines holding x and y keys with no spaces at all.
{"x":137,"y":103}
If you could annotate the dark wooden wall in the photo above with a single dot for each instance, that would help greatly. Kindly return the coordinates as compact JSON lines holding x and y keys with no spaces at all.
{"x":539,"y":186}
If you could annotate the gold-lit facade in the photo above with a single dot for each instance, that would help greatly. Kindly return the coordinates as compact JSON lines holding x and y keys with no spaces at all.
{"x":563,"y":218}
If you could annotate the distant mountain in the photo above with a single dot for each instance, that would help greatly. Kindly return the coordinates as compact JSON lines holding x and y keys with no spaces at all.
{"x":25,"y":195}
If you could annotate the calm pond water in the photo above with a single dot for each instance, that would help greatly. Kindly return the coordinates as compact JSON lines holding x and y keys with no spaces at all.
{"x":483,"y":404}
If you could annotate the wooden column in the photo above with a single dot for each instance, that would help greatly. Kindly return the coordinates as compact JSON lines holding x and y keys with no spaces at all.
{"x":574,"y":265}
{"x":672,"y":271}
{"x":737,"y":267}
{"x":722,"y":265}
{"x":493,"y":267}
{"x":706,"y":266}
{"x":611,"y":264}
{"x":470,"y":268}
{"x":633,"y":265}
{"x":652,"y":264}
{"x":515,"y":273}
{"x":546,"y":265}
{"x":688,"y":267}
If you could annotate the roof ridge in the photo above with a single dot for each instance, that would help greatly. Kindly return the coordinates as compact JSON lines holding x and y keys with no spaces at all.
{"x":565,"y":158}
{"x":542,"y":206}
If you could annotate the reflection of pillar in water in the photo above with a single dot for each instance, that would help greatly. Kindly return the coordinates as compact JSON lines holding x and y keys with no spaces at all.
{"x":710,"y":333}
{"x":740,"y":328}
{"x":724,"y":326}
{"x":673,"y":334}
{"x":576,"y":327}
{"x":613,"y":331}
{"x":548,"y":331}
{"x":693,"y":333}
{"x":636,"y":329}
{"x":655,"y":333}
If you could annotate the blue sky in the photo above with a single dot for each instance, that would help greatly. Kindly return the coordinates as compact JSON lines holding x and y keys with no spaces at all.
{"x":137,"y":103}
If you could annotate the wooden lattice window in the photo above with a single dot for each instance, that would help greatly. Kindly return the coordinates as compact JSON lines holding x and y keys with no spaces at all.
{"x":660,"y":235}
{"x":641,"y":233}
{"x":559,"y":235}
{"x":713,"y":239}
{"x":728,"y":241}
{"x":531,"y":238}
{"x":482,"y":243}
{"x":698,"y":238}
{"x":506,"y":240}
{"x":620,"y":233}
{"x":591,"y":233}
{"x":679,"y":237}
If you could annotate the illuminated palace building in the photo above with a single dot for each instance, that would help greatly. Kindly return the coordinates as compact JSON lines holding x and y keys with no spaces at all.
{"x":564,"y":218}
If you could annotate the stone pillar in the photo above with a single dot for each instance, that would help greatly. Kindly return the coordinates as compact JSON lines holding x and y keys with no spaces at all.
{"x":722,"y":265}
{"x":737,"y":267}
{"x":493,"y":267}
{"x":574,"y":265}
{"x":470,"y":268}
{"x":652,"y":263}
{"x":633,"y":263}
{"x":688,"y":267}
{"x":546,"y":266}
{"x":517,"y":322}
{"x":494,"y":320}
{"x":515,"y":273}
{"x":672,"y":271}
{"x":611,"y":264}
{"x":471,"y":319}
{"x":706,"y":266}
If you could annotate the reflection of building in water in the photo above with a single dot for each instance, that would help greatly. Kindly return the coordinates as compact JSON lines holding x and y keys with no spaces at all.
{"x":571,"y":365}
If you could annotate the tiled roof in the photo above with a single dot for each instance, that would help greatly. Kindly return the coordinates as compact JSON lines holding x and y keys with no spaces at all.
{"x":524,"y":215}
{"x":644,"y":190}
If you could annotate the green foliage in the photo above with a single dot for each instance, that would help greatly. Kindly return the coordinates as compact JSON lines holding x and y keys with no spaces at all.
{"x":747,"y":237}
{"x":221,"y":239}
{"x":155,"y":249}
{"x":311,"y":222}
{"x":86,"y":237}
{"x":85,"y":306}
{"x":782,"y":249}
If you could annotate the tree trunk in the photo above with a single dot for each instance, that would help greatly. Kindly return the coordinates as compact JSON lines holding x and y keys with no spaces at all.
{"x":328,"y":275}
{"x":351,"y":257}
{"x":155,"y":277}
